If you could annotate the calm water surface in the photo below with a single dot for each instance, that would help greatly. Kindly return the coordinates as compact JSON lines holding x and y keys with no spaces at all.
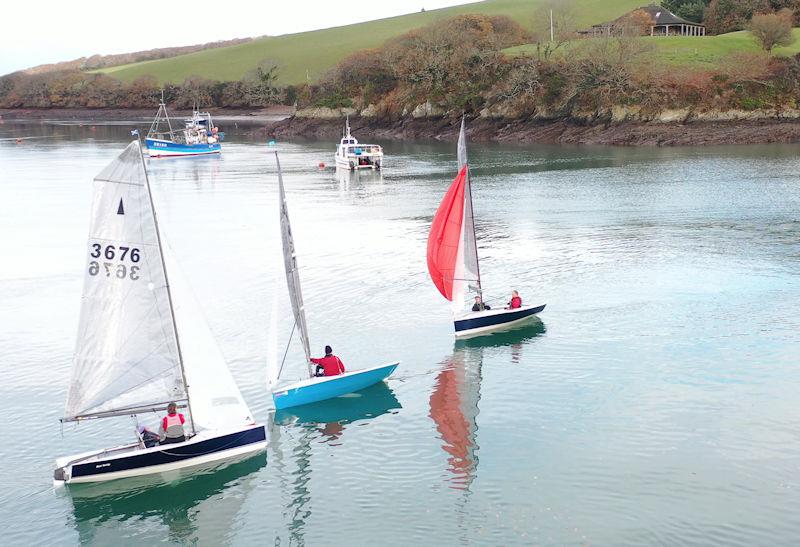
{"x":656,"y":402}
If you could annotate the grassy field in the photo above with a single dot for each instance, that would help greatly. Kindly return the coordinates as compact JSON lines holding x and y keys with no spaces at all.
{"x":699,"y":51}
{"x":311,"y":54}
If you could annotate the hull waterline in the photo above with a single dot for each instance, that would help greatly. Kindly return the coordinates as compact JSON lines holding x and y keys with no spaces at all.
{"x":164,"y":149}
{"x":475,"y":324}
{"x":130,"y":461}
{"x":319,"y":389}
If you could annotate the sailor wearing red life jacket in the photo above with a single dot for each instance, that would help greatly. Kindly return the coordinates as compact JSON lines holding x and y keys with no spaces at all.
{"x":516,"y":301}
{"x":171,"y":430}
{"x":330,"y":365}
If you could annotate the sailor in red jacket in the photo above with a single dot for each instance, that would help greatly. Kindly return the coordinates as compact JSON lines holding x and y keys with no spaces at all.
{"x":516,"y":301}
{"x":171,"y":430}
{"x":330,"y":365}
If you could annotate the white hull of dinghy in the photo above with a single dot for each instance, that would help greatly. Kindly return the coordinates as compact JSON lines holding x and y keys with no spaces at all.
{"x":103,"y":460}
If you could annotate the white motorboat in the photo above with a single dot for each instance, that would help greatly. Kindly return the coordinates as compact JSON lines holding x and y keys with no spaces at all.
{"x":352,"y":155}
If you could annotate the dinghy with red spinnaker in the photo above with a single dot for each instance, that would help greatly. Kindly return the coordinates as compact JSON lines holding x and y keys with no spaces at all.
{"x":313,"y":389}
{"x":453,"y":258}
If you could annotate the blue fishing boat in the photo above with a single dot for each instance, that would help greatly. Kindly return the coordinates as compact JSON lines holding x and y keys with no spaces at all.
{"x":313,"y":389}
{"x":199,"y":136}
{"x":453,"y":260}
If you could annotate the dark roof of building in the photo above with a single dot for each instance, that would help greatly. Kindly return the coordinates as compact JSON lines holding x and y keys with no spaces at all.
{"x":662,"y":16}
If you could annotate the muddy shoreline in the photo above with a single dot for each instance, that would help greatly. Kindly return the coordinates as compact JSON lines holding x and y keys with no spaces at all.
{"x":278,"y":122}
{"x":258,"y":116}
{"x":549,"y":132}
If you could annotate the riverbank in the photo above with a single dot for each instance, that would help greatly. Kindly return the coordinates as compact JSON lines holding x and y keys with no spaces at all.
{"x":562,"y":131}
{"x":279,"y":123}
{"x":108,"y":115}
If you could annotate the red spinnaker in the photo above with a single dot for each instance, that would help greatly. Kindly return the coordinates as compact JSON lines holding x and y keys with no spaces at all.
{"x":445,"y":236}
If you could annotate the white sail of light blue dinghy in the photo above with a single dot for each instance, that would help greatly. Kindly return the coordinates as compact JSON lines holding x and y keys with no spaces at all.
{"x":313,"y":389}
{"x":142,"y":343}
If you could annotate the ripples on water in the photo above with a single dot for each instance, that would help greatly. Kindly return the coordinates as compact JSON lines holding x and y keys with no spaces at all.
{"x":654,"y":402}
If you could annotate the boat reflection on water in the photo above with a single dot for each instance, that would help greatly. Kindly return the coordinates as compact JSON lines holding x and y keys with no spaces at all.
{"x":184,"y":505}
{"x":350,"y":180}
{"x":333,"y":414}
{"x":514,"y":338}
{"x":454,"y":401}
{"x":292,"y":454}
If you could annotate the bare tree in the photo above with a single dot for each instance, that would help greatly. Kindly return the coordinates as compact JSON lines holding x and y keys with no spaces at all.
{"x":553,"y":26}
{"x":772,"y":29}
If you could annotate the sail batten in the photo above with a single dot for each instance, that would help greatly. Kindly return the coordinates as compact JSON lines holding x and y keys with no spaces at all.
{"x":127,"y":354}
{"x":290,"y":265}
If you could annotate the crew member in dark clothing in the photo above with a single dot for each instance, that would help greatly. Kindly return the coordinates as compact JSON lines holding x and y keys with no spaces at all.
{"x":480,"y":305}
{"x":330,"y":365}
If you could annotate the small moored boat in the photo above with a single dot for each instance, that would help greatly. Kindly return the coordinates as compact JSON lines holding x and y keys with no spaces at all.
{"x":142,"y":343}
{"x":199,"y":136}
{"x":312,"y":389}
{"x":453,"y":257}
{"x":352,"y":155}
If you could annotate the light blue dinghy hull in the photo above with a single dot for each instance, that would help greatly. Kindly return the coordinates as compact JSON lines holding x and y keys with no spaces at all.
{"x":157,"y":148}
{"x":319,"y":389}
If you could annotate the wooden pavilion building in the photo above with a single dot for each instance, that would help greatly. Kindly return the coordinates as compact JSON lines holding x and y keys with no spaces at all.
{"x":663,"y":23}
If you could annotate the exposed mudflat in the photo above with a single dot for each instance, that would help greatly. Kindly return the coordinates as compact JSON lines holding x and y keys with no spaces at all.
{"x":549,"y":132}
{"x":278,"y":122}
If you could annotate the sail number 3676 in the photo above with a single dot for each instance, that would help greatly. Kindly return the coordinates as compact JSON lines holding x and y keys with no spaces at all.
{"x":119,"y":255}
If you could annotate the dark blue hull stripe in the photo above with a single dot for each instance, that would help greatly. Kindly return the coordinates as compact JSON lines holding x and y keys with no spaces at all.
{"x":491,"y":320}
{"x":171,"y":453}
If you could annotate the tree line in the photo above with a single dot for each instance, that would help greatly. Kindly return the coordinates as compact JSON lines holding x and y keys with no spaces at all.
{"x":458,"y":66}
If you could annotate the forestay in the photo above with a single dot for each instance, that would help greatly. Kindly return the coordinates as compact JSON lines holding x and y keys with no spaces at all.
{"x":126,"y":357}
{"x":290,"y":265}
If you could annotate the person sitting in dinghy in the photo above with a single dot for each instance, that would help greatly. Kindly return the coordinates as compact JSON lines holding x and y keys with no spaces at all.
{"x":171,"y":430}
{"x":330,"y":365}
{"x":515,"y":302}
{"x":480,"y":305}
{"x":149,"y":438}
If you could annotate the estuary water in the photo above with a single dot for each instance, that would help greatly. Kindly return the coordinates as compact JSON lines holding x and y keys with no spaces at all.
{"x":654,"y":403}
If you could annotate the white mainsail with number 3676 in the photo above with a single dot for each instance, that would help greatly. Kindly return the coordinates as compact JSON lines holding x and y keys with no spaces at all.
{"x":128,"y":357}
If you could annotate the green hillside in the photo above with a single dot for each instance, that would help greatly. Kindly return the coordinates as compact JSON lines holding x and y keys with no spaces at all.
{"x":700,"y":51}
{"x":311,"y":54}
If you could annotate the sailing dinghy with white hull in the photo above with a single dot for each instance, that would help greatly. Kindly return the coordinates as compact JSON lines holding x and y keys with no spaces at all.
{"x":142,"y":343}
{"x":453,"y":257}
{"x":314,"y":388}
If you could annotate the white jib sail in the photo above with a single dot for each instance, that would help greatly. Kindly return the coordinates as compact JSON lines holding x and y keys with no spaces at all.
{"x":292,"y":273}
{"x":216,"y":402}
{"x":126,"y":356}
{"x":466,"y":276}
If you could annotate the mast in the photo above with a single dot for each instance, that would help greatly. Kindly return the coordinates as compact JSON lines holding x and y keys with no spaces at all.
{"x":169,"y":292}
{"x":290,"y":266}
{"x":462,"y":160}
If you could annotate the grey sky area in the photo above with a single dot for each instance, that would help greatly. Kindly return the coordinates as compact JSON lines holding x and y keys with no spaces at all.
{"x":51,"y":31}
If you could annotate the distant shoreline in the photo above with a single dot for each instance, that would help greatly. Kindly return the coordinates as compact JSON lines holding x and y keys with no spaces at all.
{"x":279,"y":122}
{"x":100,"y":115}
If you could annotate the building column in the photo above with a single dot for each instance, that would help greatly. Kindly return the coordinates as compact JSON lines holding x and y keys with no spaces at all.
{"x":666,"y":33}
{"x":651,"y":31}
